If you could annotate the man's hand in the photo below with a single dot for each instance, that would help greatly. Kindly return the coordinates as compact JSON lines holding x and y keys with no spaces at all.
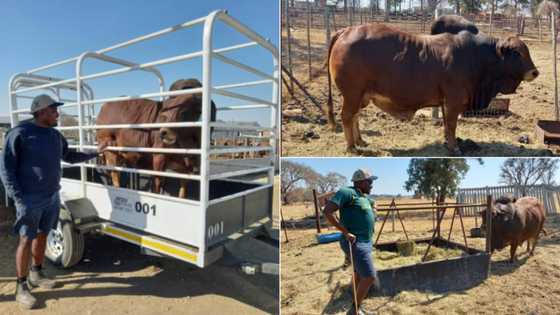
{"x":350,"y":237}
{"x":102,"y":147}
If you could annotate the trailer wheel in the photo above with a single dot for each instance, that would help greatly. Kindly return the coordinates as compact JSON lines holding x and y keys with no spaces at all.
{"x":65,"y":245}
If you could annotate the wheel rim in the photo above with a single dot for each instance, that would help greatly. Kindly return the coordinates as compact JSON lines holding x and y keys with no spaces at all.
{"x":55,"y":241}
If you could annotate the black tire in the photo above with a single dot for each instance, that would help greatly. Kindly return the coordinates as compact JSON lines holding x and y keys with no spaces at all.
{"x":65,"y":245}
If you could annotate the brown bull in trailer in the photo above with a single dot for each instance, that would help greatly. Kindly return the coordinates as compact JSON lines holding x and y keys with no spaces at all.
{"x":181,"y":108}
{"x":402,"y":72}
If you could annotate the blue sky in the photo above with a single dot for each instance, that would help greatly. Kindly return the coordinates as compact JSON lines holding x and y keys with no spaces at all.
{"x":37,"y":33}
{"x":392,"y":171}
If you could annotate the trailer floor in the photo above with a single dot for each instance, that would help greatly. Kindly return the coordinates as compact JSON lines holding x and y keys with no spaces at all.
{"x":115,"y":278}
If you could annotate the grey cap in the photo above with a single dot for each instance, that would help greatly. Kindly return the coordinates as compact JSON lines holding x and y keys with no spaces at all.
{"x":362,"y":174}
{"x":41,"y":102}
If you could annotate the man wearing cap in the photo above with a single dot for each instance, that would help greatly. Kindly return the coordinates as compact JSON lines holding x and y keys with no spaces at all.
{"x":357,"y":220}
{"x":30,"y":171}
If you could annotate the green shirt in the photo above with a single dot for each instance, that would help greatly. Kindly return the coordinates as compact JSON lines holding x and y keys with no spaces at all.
{"x":356,"y":213}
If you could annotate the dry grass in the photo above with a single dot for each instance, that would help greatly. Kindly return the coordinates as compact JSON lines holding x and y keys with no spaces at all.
{"x":313,"y":280}
{"x":421,"y":136}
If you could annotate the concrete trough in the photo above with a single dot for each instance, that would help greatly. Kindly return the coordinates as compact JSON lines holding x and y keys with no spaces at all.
{"x":437,"y":276}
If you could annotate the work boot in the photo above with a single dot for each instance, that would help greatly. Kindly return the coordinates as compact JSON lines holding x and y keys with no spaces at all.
{"x":24,"y":297}
{"x":38,"y":279}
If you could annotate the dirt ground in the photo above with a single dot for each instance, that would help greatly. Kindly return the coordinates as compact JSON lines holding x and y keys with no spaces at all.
{"x":314,"y":281}
{"x":305,"y":132}
{"x":115,"y":278}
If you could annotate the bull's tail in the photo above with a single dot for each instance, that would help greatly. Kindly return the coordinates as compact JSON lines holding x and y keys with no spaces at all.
{"x":329,"y":110}
{"x":543,"y":231}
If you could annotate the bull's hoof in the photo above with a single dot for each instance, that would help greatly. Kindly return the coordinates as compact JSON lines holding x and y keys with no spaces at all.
{"x":352,"y":149}
{"x":361,"y":143}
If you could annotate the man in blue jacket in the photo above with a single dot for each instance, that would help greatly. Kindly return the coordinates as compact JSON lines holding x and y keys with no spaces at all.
{"x":357,"y":222}
{"x":30,"y":170}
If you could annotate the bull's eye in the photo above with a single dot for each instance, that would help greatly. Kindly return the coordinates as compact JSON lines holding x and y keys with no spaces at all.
{"x":185,"y":116}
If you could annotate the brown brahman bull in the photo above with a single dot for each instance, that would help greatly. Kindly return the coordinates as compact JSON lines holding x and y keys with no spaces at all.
{"x":182,"y":108}
{"x":402,"y":72}
{"x":515,"y":221}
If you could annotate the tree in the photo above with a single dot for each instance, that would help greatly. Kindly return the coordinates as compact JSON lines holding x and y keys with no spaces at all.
{"x":328,"y":183}
{"x":437,"y":178}
{"x":524,"y":173}
{"x":292,"y":174}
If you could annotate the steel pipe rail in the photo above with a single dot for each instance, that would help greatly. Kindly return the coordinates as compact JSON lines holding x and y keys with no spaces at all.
{"x":242,"y":66}
{"x":244,"y":107}
{"x":237,"y":126}
{"x":127,"y":43}
{"x":238,"y":149}
{"x":240,"y":27}
{"x":145,"y":150}
{"x":245,"y":84}
{"x":144,"y":66}
{"x":242,"y":97}
{"x":240,"y":173}
{"x":135,"y":170}
{"x":432,"y":207}
{"x":146,"y":125}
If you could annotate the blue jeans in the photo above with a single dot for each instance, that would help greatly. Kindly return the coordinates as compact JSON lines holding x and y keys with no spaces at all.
{"x":363,"y":261}
{"x":36,"y":214}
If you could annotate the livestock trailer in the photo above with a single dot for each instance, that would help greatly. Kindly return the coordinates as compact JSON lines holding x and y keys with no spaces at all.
{"x":230,"y":196}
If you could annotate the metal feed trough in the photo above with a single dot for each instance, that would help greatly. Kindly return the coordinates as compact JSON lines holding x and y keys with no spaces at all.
{"x":229,"y":197}
{"x":441,"y":275}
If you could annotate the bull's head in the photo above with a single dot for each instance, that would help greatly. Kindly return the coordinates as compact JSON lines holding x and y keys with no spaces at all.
{"x":503,"y":211}
{"x":517,"y":62}
{"x":182,"y":108}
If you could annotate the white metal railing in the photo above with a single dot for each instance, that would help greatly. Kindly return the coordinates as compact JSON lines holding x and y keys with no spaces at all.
{"x":30,"y":81}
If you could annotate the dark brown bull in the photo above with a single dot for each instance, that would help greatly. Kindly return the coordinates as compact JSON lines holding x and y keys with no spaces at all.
{"x":402,"y":72}
{"x":452,"y":24}
{"x":516,"y":221}
{"x":182,"y":108}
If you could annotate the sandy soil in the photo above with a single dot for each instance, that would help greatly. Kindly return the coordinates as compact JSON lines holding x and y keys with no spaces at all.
{"x":115,"y":278}
{"x":305,"y":132}
{"x":314,"y":281}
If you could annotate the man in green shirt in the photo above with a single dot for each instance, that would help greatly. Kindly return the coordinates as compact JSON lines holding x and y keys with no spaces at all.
{"x":357,"y":221}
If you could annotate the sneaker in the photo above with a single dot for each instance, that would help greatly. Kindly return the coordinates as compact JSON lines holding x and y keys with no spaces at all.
{"x":38,"y":279}
{"x":24,"y":297}
{"x":352,"y":311}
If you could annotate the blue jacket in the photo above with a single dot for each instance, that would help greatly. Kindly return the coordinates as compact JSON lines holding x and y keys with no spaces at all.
{"x":30,"y":162}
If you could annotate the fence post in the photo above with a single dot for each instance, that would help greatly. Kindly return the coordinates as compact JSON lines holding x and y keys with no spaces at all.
{"x":316,"y":203}
{"x":289,"y":52}
{"x":327,"y":28}
{"x":489,"y":224}
{"x":308,"y":39}
{"x":554,"y":73}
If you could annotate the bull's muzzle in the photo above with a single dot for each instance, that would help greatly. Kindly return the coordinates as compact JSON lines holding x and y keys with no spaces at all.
{"x":167,"y":136}
{"x":531,"y":75}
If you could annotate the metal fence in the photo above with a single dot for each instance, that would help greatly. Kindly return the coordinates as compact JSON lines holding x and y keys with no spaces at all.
{"x":549,"y":196}
{"x":413,"y":21}
{"x":315,"y":19}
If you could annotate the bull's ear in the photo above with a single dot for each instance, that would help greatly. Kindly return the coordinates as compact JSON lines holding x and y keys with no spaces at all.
{"x":501,"y":49}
